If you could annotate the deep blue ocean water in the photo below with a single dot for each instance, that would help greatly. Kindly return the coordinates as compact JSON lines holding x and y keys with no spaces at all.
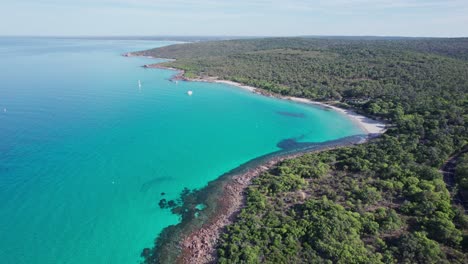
{"x":85,"y":153}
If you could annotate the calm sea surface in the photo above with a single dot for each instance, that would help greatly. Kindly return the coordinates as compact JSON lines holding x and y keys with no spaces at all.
{"x":85,"y":153}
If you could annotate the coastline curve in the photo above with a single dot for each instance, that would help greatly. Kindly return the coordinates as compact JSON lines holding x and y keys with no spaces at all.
{"x":194,"y":239}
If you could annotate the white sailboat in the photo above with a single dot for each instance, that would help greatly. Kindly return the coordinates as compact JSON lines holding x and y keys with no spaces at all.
{"x":139,"y":84}
{"x":189,"y":92}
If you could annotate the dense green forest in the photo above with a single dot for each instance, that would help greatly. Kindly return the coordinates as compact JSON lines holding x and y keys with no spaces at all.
{"x":381,"y":202}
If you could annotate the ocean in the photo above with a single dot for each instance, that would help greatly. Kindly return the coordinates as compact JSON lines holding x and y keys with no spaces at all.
{"x":86,"y":154}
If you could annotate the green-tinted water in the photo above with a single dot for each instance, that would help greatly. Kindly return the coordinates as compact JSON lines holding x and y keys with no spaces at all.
{"x":85,"y":154}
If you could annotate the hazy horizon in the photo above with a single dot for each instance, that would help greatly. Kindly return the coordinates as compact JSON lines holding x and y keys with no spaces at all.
{"x":175,"y":37}
{"x":269,"y":18}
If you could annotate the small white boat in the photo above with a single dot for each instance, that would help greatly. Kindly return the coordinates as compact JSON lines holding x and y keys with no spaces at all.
{"x":139,"y":84}
{"x":176,"y":82}
{"x":189,"y":92}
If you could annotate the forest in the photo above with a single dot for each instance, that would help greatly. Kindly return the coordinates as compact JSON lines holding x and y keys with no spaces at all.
{"x":381,"y":202}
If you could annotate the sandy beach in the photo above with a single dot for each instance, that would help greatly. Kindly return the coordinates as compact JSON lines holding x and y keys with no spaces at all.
{"x":370,"y":126}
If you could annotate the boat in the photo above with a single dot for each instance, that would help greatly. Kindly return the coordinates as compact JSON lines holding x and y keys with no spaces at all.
{"x":189,"y":92}
{"x":139,"y":84}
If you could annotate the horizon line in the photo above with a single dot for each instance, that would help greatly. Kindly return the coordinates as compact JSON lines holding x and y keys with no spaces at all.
{"x":233,"y":36}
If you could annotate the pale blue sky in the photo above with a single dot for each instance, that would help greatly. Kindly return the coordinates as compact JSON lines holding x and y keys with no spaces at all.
{"x":448,"y":18}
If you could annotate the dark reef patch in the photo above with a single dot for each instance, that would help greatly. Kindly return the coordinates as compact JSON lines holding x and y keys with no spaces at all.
{"x":292,"y":143}
{"x":163,"y":204}
{"x":291,"y":114}
{"x":149,"y":184}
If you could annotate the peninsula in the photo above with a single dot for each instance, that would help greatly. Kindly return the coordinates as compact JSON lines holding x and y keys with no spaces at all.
{"x":384,"y":201}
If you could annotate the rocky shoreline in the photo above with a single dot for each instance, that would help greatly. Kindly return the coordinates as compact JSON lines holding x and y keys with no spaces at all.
{"x":194,"y":240}
{"x":200,"y":245}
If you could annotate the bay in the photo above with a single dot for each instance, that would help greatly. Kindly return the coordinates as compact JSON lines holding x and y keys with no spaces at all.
{"x":85,"y":154}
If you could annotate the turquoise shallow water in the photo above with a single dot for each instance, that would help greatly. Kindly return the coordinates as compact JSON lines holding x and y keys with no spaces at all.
{"x":85,"y":153}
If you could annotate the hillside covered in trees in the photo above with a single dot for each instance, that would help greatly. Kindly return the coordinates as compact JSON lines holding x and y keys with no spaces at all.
{"x":381,"y":202}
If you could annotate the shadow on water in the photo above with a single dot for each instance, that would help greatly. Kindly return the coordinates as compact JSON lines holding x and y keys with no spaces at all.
{"x":291,"y":114}
{"x":149,"y":184}
{"x":292,"y":143}
{"x":167,"y":249}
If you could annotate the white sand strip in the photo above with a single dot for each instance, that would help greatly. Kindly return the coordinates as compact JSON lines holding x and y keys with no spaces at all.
{"x":367,"y":124}
{"x":372,"y":127}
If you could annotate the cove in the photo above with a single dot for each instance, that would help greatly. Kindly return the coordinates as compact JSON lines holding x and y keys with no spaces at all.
{"x":85,"y":154}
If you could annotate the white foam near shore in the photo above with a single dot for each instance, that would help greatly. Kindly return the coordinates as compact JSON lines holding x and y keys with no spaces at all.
{"x":369,"y":125}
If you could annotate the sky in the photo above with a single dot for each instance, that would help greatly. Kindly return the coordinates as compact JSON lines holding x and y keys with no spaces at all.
{"x":417,"y":18}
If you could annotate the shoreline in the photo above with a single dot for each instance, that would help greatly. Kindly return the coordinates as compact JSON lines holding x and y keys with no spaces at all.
{"x":369,"y":125}
{"x":195,"y":240}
